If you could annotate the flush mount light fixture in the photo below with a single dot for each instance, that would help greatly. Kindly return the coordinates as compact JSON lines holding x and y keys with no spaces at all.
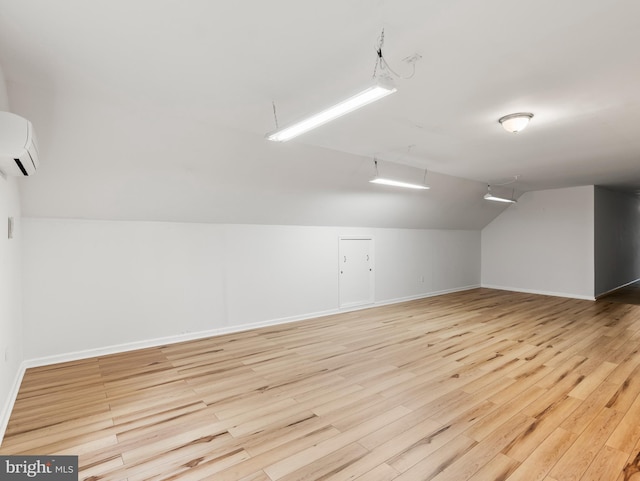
{"x":515,"y":122}
{"x":380,"y":89}
{"x":489,"y":196}
{"x":398,"y":183}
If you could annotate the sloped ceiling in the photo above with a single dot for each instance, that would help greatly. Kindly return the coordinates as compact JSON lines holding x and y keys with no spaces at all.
{"x":156,"y":110}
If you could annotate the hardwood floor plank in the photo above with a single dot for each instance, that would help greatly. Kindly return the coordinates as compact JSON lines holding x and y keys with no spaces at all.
{"x":278,"y":451}
{"x":479,"y":455}
{"x":607,"y":465}
{"x":577,"y":421}
{"x":324,"y":448}
{"x":499,"y":468}
{"x":259,"y":476}
{"x":592,"y":380}
{"x":538,"y":430}
{"x":626,"y":435}
{"x":538,"y":464}
{"x":627,"y":392}
{"x":576,"y":460}
{"x":382,"y":472}
{"x":439,"y":460}
{"x":392,"y":449}
{"x":330,"y":466}
{"x":631,"y":470}
{"x":500,"y":413}
{"x":474,"y":385}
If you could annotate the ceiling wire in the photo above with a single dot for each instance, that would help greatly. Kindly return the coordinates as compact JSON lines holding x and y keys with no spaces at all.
{"x":402,"y":155}
{"x":388,"y":67}
{"x":513,"y":190}
{"x":515,"y":179}
{"x":375,"y":166}
{"x":275,"y":114}
{"x":382,"y":64}
{"x":379,"y":53}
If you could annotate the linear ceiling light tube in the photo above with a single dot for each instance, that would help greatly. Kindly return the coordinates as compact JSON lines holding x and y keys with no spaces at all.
{"x":382,"y":88}
{"x":397,"y":183}
{"x":489,"y":196}
{"x":499,"y":199}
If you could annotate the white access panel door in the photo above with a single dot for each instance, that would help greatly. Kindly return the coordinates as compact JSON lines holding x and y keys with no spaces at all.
{"x":356,"y":272}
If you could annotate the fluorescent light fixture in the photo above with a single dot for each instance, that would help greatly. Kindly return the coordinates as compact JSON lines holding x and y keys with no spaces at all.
{"x":490,"y":196}
{"x":515,"y":122}
{"x":397,"y":183}
{"x":380,"y":89}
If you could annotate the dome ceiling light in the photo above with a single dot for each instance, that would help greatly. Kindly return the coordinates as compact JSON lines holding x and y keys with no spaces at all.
{"x":515,"y":122}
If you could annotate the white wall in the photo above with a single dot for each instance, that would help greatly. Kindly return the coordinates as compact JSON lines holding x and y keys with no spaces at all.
{"x":110,"y":159}
{"x":4,"y":97}
{"x":543,"y":244}
{"x":97,"y":284}
{"x":410,"y":263}
{"x":11,"y":352}
{"x":617,"y":239}
{"x":10,"y":287}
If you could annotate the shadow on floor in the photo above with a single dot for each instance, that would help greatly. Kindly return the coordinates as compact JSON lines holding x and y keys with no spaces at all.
{"x":626,"y":295}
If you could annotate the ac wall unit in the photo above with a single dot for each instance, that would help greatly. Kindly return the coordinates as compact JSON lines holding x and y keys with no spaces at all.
{"x":18,"y":149}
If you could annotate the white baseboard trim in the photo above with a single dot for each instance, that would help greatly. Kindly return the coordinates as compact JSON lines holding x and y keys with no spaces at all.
{"x":162,"y":341}
{"x":398,"y":300}
{"x":542,"y":293}
{"x":426,"y":295}
{"x":5,"y":414}
{"x":616,"y":288}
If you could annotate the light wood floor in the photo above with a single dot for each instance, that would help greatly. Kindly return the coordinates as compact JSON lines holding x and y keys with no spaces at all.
{"x":481,"y":385}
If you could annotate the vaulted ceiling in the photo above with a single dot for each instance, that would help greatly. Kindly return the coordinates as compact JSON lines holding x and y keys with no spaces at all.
{"x":156,"y":109}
